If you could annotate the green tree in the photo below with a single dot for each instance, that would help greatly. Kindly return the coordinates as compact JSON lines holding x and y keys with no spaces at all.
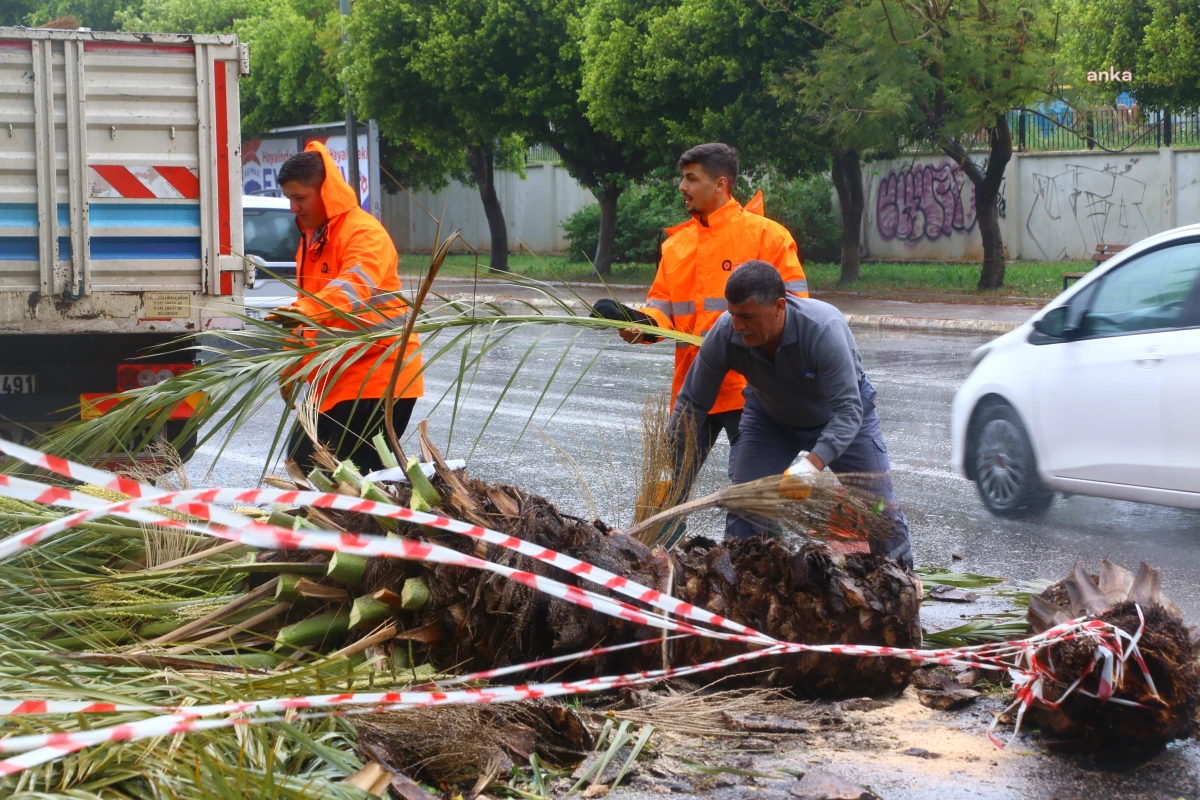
{"x":99,"y":15}
{"x":435,"y":75}
{"x":547,"y":81}
{"x":667,"y":74}
{"x":854,"y":117}
{"x":1156,"y":40}
{"x":191,"y":16}
{"x":686,"y":71}
{"x":949,"y":71}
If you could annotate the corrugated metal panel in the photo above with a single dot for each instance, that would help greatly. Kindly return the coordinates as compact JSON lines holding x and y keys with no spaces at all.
{"x":115,"y":174}
{"x":18,"y":170}
{"x":142,"y":122}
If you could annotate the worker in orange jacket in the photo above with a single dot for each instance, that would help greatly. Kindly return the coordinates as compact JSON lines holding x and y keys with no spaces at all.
{"x":688,"y":293}
{"x":348,"y":271}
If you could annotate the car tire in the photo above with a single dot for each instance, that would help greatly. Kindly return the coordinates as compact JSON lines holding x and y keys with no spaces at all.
{"x":1005,"y":465}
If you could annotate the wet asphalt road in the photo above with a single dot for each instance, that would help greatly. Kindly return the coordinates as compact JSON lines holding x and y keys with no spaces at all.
{"x":580,"y":451}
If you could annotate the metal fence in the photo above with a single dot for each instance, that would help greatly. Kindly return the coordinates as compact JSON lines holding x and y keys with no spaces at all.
{"x":542,"y":153}
{"x":1059,"y":127}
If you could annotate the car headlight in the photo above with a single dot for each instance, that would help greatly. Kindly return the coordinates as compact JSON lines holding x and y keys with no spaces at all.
{"x":978,"y":354}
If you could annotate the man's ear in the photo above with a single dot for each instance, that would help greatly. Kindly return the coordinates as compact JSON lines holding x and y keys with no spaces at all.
{"x":780,"y":303}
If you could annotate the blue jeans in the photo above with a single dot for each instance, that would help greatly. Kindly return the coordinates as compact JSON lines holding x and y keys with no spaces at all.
{"x":766,"y":447}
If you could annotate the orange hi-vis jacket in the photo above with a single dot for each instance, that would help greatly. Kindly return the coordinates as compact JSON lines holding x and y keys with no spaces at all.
{"x":352,"y":267}
{"x":688,"y":293}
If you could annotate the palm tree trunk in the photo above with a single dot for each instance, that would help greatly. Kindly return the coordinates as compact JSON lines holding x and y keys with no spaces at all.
{"x":482,"y":161}
{"x":798,"y":593}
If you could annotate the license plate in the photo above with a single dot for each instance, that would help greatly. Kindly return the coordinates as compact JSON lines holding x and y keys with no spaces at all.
{"x":17,"y":384}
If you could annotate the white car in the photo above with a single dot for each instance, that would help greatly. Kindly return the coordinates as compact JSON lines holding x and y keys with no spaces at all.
{"x":1098,"y":394}
{"x":270,"y":234}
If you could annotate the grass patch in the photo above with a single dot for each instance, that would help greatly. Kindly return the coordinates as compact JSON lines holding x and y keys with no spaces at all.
{"x":545,"y":268}
{"x":1040,"y":279}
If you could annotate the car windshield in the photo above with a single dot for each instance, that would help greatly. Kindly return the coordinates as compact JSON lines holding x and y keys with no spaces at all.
{"x":270,"y":234}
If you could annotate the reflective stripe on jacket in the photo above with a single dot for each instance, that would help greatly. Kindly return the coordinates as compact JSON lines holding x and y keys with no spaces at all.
{"x":352,"y":267}
{"x":688,"y":293}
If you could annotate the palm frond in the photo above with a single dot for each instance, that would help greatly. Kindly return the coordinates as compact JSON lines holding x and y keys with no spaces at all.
{"x":241,"y":370}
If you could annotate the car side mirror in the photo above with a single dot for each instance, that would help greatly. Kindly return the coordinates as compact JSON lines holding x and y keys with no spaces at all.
{"x":1053,"y":323}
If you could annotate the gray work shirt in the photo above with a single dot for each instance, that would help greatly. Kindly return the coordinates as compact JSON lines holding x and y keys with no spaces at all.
{"x":813,"y":381}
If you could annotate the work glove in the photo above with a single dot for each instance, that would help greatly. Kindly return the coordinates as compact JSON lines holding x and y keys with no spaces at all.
{"x":611,"y":309}
{"x":797,"y":483}
{"x":802,"y":466}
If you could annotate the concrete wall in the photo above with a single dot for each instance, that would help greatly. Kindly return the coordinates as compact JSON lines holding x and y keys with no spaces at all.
{"x":534,"y":210}
{"x":1054,"y":205}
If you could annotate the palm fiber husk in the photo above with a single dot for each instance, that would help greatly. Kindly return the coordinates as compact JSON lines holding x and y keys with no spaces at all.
{"x":1167,"y":645}
{"x":799,"y":591}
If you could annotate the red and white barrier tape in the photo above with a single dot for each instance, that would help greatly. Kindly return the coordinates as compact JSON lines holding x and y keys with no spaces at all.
{"x":1031,"y":677}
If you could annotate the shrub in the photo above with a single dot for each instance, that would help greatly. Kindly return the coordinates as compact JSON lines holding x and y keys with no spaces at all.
{"x":803,"y":206}
{"x":642,"y":214}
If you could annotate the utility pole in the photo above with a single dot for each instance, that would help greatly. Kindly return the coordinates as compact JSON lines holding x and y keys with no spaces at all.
{"x":351,"y":127}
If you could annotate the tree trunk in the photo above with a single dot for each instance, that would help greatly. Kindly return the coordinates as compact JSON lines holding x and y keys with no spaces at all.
{"x":481,"y":160}
{"x":795,"y":592}
{"x":847,"y":179}
{"x":608,"y":196}
{"x":988,"y":183}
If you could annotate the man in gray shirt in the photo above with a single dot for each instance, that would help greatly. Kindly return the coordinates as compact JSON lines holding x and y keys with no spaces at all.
{"x":807,"y":391}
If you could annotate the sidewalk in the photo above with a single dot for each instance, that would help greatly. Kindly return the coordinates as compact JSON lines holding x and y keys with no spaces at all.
{"x":861,"y":311}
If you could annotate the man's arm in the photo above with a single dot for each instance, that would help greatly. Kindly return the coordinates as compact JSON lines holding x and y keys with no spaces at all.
{"x":704,"y":378}
{"x":834,"y":358}
{"x":658,"y":307}
{"x":779,"y":248}
{"x":356,"y":287}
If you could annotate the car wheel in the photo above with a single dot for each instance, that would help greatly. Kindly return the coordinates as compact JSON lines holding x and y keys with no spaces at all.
{"x":1005,"y":467}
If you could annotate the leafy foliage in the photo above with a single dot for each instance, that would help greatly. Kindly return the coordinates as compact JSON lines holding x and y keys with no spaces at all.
{"x":294,"y":52}
{"x":1157,"y":40}
{"x":697,"y":70}
{"x":188,"y":16}
{"x":804,"y":206}
{"x":100,"y":15}
{"x":642,"y":214}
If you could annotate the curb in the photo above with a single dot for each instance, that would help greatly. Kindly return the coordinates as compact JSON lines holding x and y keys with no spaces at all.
{"x":930,"y":324}
{"x":871,"y":321}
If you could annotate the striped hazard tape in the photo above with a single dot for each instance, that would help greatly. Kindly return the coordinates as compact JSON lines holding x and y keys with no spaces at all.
{"x":211,"y":514}
{"x":145,"y":183}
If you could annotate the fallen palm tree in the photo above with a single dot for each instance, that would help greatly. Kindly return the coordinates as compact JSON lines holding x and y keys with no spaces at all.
{"x":202,"y":511}
{"x":1109,"y":701}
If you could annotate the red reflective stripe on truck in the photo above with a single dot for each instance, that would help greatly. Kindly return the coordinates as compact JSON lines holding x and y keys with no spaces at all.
{"x":123,"y":181}
{"x":183,"y":179}
{"x":226,"y":283}
{"x":225,"y":236}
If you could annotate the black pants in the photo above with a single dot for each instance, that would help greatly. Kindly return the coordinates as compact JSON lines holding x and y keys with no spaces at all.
{"x":347,"y":429}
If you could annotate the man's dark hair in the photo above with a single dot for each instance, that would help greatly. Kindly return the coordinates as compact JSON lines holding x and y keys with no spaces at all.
{"x":718,"y":160}
{"x":754,"y":280}
{"x":307,"y":168}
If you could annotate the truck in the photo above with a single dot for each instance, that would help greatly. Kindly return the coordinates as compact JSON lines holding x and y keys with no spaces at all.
{"x":120,"y":215}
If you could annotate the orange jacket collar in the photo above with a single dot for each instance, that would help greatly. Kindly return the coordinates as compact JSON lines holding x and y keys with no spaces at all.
{"x":724,"y":214}
{"x":335,"y":192}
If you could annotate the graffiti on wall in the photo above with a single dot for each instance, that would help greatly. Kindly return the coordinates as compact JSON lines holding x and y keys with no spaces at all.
{"x":926,"y":202}
{"x":1081,"y":207}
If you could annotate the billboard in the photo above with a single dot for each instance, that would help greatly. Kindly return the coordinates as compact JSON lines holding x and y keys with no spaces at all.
{"x":262,"y":158}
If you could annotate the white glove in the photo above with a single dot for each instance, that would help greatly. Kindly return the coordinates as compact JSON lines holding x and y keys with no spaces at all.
{"x":802,"y":466}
